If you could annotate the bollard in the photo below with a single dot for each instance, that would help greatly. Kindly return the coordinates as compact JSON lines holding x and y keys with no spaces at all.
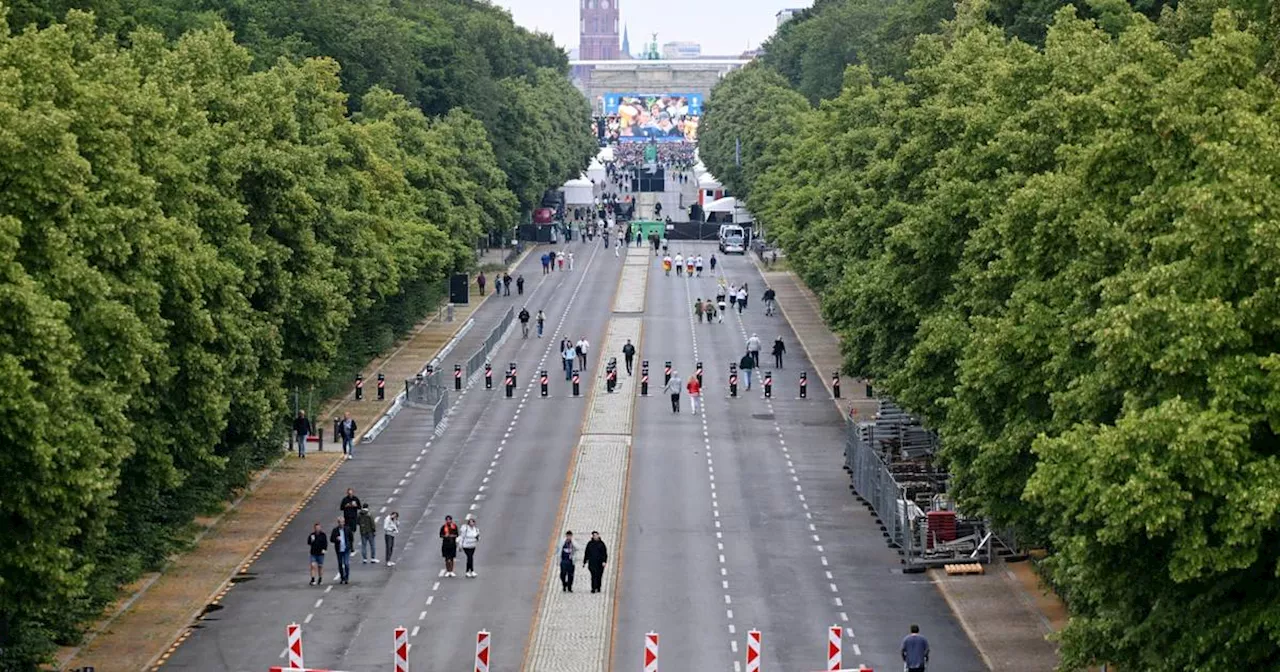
{"x":698,"y":373}
{"x":835,"y":645}
{"x":488,"y":376}
{"x":400,"y":647}
{"x":651,"y":652}
{"x":513,"y":374}
{"x":336,"y":425}
{"x":733,"y":380}
{"x":804,"y":385}
{"x":576,"y":389}
{"x":666,"y":376}
{"x":359,"y":387}
{"x":835,"y":384}
{"x":511,"y":383}
{"x":382,"y":387}
{"x":768,"y":384}
{"x":293,"y":645}
{"x":320,"y":440}
{"x":753,"y":651}
{"x":644,"y":380}
{"x":457,"y":376}
{"x":544,"y":382}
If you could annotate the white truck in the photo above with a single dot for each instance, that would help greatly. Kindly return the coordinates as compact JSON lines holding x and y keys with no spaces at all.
{"x":733,"y":239}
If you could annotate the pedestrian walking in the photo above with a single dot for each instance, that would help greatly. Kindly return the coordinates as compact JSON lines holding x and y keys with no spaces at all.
{"x":560,"y":261}
{"x":679,"y":264}
{"x":449,"y":544}
{"x":617,"y":246}
{"x":720,"y":310}
{"x":742,"y":298}
{"x":628,"y":354}
{"x":317,"y":543}
{"x":695,"y":390}
{"x":915,"y":650}
{"x":697,"y":308}
{"x":506,"y":284}
{"x":551,"y":254}
{"x":368,"y":538}
{"x":779,"y":349}
{"x":582,"y":348}
{"x":666,"y":265}
{"x":568,"y":560}
{"x":753,"y":348}
{"x":480,"y":281}
{"x":341,"y":539}
{"x":713,"y":263}
{"x":520,"y":285}
{"x":350,"y":508}
{"x":542,"y":319}
{"x":524,"y":322}
{"x":301,"y":430}
{"x":469,"y":539}
{"x":746,"y":365}
{"x":571,"y":261}
{"x":688,"y":266}
{"x":673,"y":387}
{"x":594,"y":559}
{"x":390,"y":528}
{"x":697,"y":264}
{"x":709,"y":309}
{"x":769,"y":297}
{"x":347,"y":432}
{"x":733,"y":296}
{"x":546,"y":263}
{"x":569,"y":354}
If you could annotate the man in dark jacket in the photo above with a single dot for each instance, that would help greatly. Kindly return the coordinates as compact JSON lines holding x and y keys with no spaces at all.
{"x":629,"y":354}
{"x":347,"y":432}
{"x":779,"y":348}
{"x":301,"y":430}
{"x":746,"y":364}
{"x":350,"y":508}
{"x":318,"y":543}
{"x":594,"y":559}
{"x":341,"y":538}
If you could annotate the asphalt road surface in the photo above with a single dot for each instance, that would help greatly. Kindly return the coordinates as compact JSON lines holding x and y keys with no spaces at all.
{"x":764,"y":534}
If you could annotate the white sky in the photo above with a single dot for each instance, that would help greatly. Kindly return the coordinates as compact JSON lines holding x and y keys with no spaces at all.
{"x":723,"y":27}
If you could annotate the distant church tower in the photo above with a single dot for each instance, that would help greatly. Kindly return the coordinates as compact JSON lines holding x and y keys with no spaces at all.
{"x":598,"y":30}
{"x":626,"y":44}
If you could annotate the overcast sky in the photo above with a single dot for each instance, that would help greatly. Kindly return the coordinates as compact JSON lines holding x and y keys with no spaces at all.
{"x":723,"y":27}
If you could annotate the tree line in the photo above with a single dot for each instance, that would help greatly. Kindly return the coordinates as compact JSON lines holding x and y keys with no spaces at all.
{"x":205,"y":207}
{"x":1058,"y":242}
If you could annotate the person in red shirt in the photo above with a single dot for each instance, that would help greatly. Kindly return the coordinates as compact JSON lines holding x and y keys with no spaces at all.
{"x":449,"y":544}
{"x":694,"y":391}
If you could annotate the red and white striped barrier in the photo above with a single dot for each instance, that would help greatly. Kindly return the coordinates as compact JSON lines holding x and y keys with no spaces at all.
{"x":651,"y":652}
{"x":293,"y":633}
{"x":753,"y":651}
{"x":401,"y":645}
{"x":835,"y":642}
{"x":482,"y":651}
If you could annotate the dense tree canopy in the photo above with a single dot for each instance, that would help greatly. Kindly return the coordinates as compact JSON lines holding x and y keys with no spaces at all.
{"x":190,"y":229}
{"x":1064,"y":255}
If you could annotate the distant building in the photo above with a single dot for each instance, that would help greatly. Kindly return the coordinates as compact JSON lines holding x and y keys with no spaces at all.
{"x":626,"y":45}
{"x":598,"y":30}
{"x":787,"y":14}
{"x":681,"y":50}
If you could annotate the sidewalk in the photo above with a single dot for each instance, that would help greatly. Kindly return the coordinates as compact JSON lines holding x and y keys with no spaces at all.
{"x":155,"y":614}
{"x":1005,"y":612}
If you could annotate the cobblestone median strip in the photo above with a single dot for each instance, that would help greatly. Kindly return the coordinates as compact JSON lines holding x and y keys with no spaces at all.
{"x":572,"y":632}
{"x":631,"y":300}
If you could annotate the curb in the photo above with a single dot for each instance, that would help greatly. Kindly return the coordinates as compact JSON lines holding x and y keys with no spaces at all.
{"x":945,"y":591}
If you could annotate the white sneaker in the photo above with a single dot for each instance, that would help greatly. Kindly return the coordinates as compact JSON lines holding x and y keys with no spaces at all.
{"x":374,"y":561}
{"x":364,"y":562}
{"x":348,"y":456}
{"x":450,"y":574}
{"x":391,"y":563}
{"x":474,"y":574}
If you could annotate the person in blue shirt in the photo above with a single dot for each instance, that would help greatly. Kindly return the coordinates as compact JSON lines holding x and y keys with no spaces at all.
{"x":915,"y":650}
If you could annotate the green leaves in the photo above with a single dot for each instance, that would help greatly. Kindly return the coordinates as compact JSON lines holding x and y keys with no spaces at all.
{"x":1064,"y":258}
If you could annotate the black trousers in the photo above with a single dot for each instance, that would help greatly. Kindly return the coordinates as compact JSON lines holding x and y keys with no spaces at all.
{"x":471,"y":559}
{"x":777,"y":360}
{"x":755,"y":356}
{"x":566,"y":575}
{"x":629,"y":358}
{"x":597,"y":576}
{"x":675,"y":403}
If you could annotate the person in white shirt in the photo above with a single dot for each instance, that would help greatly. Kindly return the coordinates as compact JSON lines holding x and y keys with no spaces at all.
{"x":582,"y":348}
{"x":468,"y":540}
{"x":679,"y":263}
{"x":390,"y":528}
{"x":570,"y":261}
{"x":698,"y":265}
{"x":742,"y":298}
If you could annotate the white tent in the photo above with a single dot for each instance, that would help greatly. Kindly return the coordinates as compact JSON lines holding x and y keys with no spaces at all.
{"x":579,"y":192}
{"x":605,"y":155}
{"x":596,"y":172}
{"x":699,"y":169}
{"x":730,"y":205}
{"x":709,"y":181}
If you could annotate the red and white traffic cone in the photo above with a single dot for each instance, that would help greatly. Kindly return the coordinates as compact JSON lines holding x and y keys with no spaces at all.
{"x":651,"y":652}
{"x":835,"y":643}
{"x":402,"y":650}
{"x":482,"y":651}
{"x":753,"y":651}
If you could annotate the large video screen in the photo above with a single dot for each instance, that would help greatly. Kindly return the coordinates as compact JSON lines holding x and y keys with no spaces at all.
{"x":662,"y":117}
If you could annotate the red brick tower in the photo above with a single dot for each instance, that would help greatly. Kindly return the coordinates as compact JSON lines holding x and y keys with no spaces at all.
{"x":598,"y":30}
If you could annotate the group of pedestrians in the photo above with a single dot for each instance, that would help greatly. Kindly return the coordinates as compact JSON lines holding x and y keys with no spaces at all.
{"x":690,"y":266}
{"x":524,"y":317}
{"x":574,"y":354}
{"x":502,"y":283}
{"x":595,"y":557}
{"x":355,"y":518}
{"x":466,"y":537}
{"x":551,"y":260}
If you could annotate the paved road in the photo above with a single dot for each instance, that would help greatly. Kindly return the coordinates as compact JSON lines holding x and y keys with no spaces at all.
{"x":741,"y":517}
{"x":722,"y":515}
{"x":507,"y":457}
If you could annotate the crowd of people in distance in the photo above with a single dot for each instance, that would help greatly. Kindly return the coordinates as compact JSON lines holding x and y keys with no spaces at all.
{"x":671,"y":155}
